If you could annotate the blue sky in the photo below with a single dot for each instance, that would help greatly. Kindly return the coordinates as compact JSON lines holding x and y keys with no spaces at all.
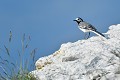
{"x":50,"y":22}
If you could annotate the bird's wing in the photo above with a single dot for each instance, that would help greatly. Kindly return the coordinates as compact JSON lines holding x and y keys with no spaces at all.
{"x":87,"y":26}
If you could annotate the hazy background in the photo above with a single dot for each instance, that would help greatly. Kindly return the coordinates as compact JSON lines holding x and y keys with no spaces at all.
{"x":50,"y":22}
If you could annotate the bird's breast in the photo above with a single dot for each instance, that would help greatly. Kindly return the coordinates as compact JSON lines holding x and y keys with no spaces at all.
{"x":84,"y":30}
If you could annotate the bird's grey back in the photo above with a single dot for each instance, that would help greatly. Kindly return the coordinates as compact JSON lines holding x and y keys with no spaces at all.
{"x":85,"y":25}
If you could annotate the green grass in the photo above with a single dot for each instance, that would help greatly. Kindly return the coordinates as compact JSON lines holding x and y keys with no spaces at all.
{"x":17,"y":68}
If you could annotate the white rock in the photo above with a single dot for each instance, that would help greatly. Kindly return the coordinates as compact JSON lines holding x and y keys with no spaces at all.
{"x":91,"y":59}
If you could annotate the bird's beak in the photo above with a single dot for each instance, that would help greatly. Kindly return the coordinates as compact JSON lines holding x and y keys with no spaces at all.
{"x":74,"y":20}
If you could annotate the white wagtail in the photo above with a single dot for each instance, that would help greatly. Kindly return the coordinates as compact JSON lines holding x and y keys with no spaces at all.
{"x":86,"y":27}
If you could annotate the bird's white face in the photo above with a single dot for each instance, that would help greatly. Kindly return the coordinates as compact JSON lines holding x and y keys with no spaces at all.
{"x":78,"y":19}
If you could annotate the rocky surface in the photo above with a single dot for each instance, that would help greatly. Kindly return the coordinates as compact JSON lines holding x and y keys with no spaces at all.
{"x":92,"y":59}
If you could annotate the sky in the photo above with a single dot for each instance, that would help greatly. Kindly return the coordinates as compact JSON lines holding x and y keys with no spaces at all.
{"x":49,"y":23}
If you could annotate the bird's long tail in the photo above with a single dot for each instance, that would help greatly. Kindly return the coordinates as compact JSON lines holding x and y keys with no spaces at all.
{"x":98,"y":33}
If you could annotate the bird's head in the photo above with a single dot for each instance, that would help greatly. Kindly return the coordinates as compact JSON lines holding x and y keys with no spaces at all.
{"x":78,"y":20}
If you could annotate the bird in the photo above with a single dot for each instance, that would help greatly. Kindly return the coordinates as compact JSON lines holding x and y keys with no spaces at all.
{"x":87,"y":27}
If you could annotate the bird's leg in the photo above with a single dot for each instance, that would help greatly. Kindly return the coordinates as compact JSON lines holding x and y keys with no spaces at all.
{"x":85,"y":36}
{"x":88,"y":35}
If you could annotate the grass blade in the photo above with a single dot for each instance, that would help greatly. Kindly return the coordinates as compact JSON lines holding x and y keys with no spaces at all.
{"x":29,"y":38}
{"x":1,"y":58}
{"x":2,"y":63}
{"x":7,"y":50}
{"x":26,"y":46}
{"x":33,"y":54}
{"x":4,"y":71}
{"x":23,"y":39}
{"x":2,"y":78}
{"x":19,"y":53}
{"x":26,"y":64}
{"x":6,"y":61}
{"x":10,"y":36}
{"x":13,"y":65}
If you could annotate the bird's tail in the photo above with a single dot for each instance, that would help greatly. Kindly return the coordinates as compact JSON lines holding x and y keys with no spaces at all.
{"x":98,"y":33}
